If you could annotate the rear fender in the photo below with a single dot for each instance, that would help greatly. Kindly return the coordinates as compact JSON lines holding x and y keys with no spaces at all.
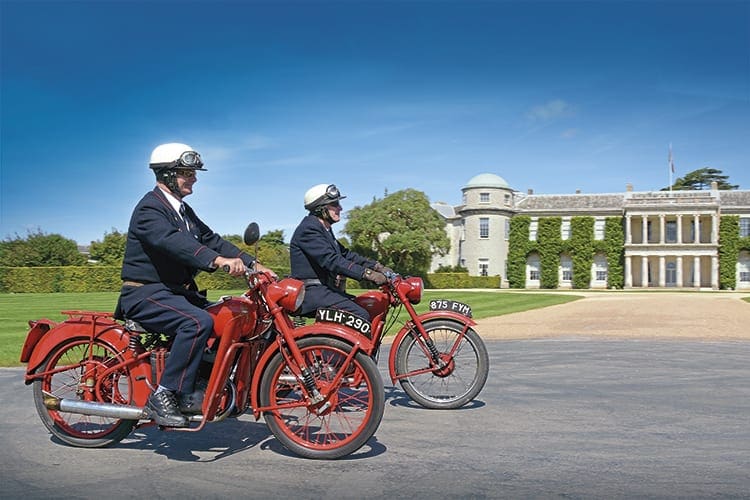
{"x":332,"y":330}
{"x":425,"y":318}
{"x":45,"y":336}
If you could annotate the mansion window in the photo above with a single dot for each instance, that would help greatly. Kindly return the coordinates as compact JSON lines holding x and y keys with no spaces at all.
{"x":533,"y":226}
{"x":671,"y":232}
{"x":484,"y":267}
{"x":484,"y":227}
{"x":599,"y":228}
{"x":744,"y":227}
{"x":565,"y":228}
{"x":484,"y":197}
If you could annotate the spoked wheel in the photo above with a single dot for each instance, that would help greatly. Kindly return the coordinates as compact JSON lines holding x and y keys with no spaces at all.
{"x":77,"y":368}
{"x":460,"y":379}
{"x":337,"y":426}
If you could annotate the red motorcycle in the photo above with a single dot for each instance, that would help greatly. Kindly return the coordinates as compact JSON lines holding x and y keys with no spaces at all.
{"x":437,"y":357}
{"x":317,"y":389}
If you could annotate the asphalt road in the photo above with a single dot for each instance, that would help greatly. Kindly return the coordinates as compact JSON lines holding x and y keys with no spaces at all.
{"x":570,"y":417}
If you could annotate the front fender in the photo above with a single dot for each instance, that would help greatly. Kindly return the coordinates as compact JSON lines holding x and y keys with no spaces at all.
{"x":424,"y":318}
{"x":45,"y":336}
{"x":316,"y":329}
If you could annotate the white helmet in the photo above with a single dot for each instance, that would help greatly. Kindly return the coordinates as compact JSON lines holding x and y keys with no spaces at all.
{"x":321,"y":195}
{"x":175,"y":155}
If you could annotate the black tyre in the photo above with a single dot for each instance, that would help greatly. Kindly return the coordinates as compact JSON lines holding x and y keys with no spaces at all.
{"x":78,"y":365}
{"x":459,"y":382}
{"x":344,"y":421}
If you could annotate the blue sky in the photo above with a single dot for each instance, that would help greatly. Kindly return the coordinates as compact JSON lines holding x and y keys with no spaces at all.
{"x":371,"y":96}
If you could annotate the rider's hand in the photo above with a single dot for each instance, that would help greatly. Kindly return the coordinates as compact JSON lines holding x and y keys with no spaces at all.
{"x":375,"y":276}
{"x":263,"y":269}
{"x":383,"y":269}
{"x":233,"y":266}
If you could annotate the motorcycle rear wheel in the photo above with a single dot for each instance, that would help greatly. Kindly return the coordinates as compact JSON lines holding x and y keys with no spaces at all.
{"x":356,"y":404}
{"x":457,"y":384}
{"x":77,"y":377}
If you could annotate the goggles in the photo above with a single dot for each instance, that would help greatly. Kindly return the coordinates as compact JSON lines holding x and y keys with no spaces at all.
{"x":332,"y":192}
{"x":190,"y":159}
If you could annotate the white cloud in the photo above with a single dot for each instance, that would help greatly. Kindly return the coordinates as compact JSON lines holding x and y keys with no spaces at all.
{"x":556,"y":108}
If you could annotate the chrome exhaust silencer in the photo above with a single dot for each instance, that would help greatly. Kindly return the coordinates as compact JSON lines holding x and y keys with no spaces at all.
{"x":124,"y":412}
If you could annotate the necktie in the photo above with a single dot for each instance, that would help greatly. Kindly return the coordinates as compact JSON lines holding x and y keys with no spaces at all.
{"x":182,"y":214}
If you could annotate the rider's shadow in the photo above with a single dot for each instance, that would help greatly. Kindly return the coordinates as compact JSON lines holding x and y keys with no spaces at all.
{"x":214,"y":442}
{"x":223,"y":439}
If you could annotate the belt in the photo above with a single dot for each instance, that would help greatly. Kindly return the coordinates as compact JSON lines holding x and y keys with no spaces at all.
{"x":312,"y":281}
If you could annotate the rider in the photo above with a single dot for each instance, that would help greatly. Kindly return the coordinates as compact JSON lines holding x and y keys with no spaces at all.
{"x":167,"y":245}
{"x":322,"y":262}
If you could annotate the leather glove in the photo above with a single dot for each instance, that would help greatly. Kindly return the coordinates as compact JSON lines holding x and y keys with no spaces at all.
{"x":375,"y":276}
{"x":383,"y":269}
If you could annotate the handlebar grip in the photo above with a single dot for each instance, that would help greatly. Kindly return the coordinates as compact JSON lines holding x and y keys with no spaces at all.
{"x":225,"y":267}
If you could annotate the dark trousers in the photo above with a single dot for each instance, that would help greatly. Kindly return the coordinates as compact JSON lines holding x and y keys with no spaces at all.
{"x":321,"y":296}
{"x":158,"y":309}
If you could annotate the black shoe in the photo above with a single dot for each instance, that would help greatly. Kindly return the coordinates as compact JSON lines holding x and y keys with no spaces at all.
{"x":192,"y":403}
{"x":163,"y":409}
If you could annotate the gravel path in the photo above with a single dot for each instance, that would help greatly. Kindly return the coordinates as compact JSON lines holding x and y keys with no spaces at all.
{"x":676,"y":315}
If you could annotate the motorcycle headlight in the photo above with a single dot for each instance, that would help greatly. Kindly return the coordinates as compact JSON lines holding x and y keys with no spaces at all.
{"x":414,"y":293}
{"x":288,"y":293}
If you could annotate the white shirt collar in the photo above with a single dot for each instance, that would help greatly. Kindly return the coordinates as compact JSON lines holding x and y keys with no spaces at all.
{"x":172,"y":200}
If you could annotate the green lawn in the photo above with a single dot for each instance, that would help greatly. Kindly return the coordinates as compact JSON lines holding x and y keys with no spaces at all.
{"x":17,"y":309}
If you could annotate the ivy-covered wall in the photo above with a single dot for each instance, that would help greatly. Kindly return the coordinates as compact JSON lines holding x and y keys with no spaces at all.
{"x":581,"y":246}
{"x":519,"y":247}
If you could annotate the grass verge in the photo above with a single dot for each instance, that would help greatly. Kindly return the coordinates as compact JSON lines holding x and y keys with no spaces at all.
{"x":17,"y":309}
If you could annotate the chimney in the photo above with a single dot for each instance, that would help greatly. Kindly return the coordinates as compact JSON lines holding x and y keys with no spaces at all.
{"x":629,"y":187}
{"x":529,"y":191}
{"x":578,"y":191}
{"x":714,"y":185}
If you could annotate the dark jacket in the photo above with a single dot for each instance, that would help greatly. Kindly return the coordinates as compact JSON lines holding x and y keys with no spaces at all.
{"x":315,"y":253}
{"x":161,"y":249}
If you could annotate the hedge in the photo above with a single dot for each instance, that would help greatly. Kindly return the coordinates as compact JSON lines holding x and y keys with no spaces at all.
{"x":82,"y":279}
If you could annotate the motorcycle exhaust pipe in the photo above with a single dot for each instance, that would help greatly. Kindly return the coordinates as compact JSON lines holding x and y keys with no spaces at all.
{"x":124,"y":412}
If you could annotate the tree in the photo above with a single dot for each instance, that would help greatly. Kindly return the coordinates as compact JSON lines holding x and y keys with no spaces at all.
{"x":111,"y":250}
{"x":40,"y":250}
{"x":701,"y":179}
{"x":271,"y":251}
{"x":402,"y":231}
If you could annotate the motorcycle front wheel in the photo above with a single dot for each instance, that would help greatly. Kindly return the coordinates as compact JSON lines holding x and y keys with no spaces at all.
{"x":454,"y":385}
{"x":75,"y":371}
{"x":344,"y":421}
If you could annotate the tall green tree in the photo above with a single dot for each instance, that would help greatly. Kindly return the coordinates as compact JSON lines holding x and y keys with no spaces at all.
{"x":38,"y":249}
{"x":401,"y":230}
{"x":111,"y":250}
{"x":701,"y":179}
{"x":271,"y":249}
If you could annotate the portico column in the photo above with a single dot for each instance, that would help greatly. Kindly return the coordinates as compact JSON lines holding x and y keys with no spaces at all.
{"x":714,"y":272}
{"x":644,"y":271}
{"x":714,"y":228}
{"x":696,"y":228}
{"x":662,"y":270}
{"x":679,"y":228}
{"x":696,"y":272}
{"x":628,"y":272}
{"x":662,"y":218}
{"x":679,"y":271}
{"x":644,"y":229}
{"x":628,"y":229}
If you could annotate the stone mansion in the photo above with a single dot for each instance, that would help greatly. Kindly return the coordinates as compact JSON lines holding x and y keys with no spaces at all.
{"x":671,"y":238}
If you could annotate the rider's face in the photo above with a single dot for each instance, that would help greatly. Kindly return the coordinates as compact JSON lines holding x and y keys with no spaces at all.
{"x":185,"y":180}
{"x":334,"y":211}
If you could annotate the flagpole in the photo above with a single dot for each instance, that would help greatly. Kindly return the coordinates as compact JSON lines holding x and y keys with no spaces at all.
{"x":670,"y":165}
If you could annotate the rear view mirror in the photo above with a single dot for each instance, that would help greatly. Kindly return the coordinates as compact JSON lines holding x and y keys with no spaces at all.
{"x":252,"y":234}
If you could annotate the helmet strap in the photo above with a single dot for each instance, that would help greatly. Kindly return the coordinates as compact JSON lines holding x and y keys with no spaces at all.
{"x":168,"y":177}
